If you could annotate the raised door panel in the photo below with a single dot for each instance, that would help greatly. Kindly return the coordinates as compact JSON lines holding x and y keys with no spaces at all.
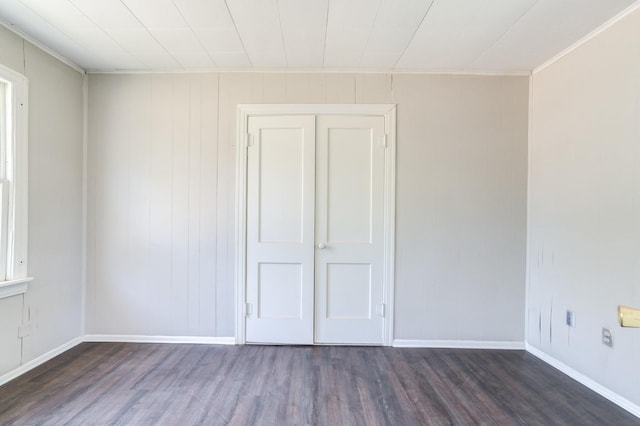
{"x":348,"y":179}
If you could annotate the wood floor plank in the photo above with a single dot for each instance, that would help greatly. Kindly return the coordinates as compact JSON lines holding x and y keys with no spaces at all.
{"x":164,"y":384}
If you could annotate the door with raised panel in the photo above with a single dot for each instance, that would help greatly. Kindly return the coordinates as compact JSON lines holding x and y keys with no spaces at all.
{"x":280,"y":229}
{"x":350,"y":155}
{"x":315,"y":229}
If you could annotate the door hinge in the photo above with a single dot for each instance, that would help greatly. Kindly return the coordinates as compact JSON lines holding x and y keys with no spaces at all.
{"x":381,"y":310}
{"x":382,"y":141}
{"x":248,"y":309}
{"x":249,"y":140}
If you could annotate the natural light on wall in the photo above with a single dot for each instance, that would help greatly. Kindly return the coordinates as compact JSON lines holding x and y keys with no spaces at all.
{"x":13,"y":183}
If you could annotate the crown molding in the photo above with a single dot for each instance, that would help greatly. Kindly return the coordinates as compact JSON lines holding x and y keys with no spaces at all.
{"x":602,"y":28}
{"x":41,"y":46}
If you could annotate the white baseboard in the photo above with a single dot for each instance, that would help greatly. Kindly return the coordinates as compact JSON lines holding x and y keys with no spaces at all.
{"x":588,"y":382}
{"x":125,"y":338}
{"x":458,"y":344}
{"x":28,"y":366}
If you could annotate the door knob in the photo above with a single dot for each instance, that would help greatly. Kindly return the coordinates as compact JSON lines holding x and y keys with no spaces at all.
{"x":322,"y":245}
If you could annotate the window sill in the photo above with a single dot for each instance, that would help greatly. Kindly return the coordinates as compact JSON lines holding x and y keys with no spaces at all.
{"x":14,"y":287}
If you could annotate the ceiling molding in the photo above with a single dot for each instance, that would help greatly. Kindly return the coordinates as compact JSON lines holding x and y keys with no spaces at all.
{"x":602,"y":28}
{"x":314,"y":71}
{"x":42,"y":47}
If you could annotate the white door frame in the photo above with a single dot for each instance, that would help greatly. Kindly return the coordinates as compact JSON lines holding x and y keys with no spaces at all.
{"x":247,"y":110}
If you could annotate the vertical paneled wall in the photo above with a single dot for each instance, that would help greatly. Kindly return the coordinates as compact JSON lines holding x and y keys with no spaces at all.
{"x":585,"y":207}
{"x":54,"y":300}
{"x":51,"y":310}
{"x":461,"y":207}
{"x":153,"y":206}
{"x":162,"y":197}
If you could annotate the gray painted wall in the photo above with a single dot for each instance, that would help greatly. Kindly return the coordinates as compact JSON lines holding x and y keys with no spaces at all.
{"x":585,"y":206}
{"x":161,"y":198}
{"x":54,"y":299}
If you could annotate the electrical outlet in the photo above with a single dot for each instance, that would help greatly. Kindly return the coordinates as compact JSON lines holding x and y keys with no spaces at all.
{"x":607,"y":337}
{"x":571,"y":319}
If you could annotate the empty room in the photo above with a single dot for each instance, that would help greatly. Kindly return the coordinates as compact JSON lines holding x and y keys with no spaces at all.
{"x":319,"y":212}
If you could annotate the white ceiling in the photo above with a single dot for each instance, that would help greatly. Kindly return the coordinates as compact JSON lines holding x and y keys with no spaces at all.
{"x":492,"y":36}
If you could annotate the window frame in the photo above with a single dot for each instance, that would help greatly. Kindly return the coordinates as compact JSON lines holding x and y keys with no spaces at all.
{"x":14,"y":174}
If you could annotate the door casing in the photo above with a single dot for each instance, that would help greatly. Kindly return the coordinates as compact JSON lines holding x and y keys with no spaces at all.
{"x":247,"y":110}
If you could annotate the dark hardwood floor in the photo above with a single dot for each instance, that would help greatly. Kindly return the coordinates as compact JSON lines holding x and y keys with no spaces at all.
{"x":152,"y":384}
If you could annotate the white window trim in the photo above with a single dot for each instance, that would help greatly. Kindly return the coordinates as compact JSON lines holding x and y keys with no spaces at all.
{"x":16,"y":279}
{"x":14,"y":287}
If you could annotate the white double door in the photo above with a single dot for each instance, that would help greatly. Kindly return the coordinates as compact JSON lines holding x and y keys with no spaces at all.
{"x":315,"y":229}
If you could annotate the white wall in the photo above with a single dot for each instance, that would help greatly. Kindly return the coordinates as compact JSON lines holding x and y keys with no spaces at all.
{"x":54,"y":298}
{"x":161,"y":207}
{"x":585,"y":206}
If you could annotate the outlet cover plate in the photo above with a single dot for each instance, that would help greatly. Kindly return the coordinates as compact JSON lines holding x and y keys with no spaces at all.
{"x":571,"y":319}
{"x":607,"y":337}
